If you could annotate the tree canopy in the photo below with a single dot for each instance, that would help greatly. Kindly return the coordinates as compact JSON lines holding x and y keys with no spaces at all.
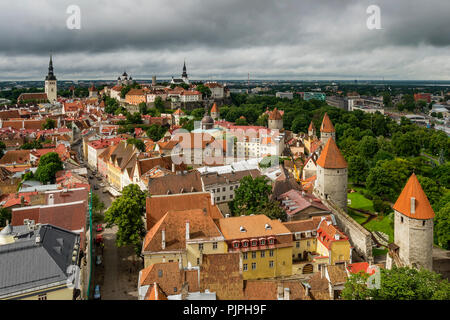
{"x":399,"y":284}
{"x":126,"y":212}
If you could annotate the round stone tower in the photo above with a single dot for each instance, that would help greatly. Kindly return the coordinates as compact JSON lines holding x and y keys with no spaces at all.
{"x":331,"y":175}
{"x":413,"y":226}
{"x":327,"y":130}
{"x":275,"y":120}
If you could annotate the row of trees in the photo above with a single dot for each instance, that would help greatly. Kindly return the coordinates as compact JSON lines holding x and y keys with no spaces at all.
{"x":398,"y":284}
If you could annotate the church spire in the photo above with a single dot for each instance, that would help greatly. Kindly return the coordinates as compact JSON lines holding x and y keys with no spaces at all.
{"x":184,"y":75}
{"x":50,"y":75}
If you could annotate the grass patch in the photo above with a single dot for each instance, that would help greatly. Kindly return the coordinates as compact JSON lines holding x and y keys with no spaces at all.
{"x":358,"y":201}
{"x":382,"y":224}
{"x":379,"y":252}
{"x":357,"y":216}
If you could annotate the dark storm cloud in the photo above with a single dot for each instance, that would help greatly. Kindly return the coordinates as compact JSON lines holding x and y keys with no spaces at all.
{"x":227,"y":38}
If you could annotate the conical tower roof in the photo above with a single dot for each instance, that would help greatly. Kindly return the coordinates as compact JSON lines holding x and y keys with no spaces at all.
{"x":275,"y":115}
{"x":327,"y":125}
{"x":311,"y":126}
{"x":331,"y":157}
{"x":214,"y":108}
{"x":422,"y":208}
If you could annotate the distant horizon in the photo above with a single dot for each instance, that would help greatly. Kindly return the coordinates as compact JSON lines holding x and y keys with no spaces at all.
{"x":351,"y":81}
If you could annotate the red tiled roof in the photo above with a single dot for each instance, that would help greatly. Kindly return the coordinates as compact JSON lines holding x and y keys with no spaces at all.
{"x":158,"y":206}
{"x":331,"y":157}
{"x":327,"y":125}
{"x":412,"y":189}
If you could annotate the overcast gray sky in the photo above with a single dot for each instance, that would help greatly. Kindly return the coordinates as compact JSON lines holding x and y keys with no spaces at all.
{"x":226,"y":39}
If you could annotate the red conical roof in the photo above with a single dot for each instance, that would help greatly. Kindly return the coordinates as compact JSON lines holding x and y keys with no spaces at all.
{"x":214,"y":108}
{"x":275,"y":115}
{"x":412,"y":189}
{"x":311,"y":127}
{"x":327,"y":126}
{"x":331,"y":157}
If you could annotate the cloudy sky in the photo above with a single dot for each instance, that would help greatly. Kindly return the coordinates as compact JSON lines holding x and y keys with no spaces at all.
{"x":226,"y":39}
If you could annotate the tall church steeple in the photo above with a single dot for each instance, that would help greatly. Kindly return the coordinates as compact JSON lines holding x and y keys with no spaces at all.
{"x":184,"y":75}
{"x":50,"y":75}
{"x":51,"y":87}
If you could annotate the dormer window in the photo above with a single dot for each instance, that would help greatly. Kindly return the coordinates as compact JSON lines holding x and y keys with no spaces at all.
{"x":245,"y":243}
{"x":271,"y":240}
{"x":236,"y":245}
{"x":254,"y":243}
{"x":262,"y":242}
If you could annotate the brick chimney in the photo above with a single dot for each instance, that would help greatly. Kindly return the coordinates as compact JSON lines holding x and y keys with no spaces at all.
{"x":187,"y":229}
{"x":163,"y":239}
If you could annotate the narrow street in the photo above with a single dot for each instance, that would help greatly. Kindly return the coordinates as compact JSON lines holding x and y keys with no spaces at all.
{"x":118,"y":273}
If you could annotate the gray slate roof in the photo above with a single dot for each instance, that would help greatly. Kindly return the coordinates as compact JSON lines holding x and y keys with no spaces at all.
{"x":27,"y":265}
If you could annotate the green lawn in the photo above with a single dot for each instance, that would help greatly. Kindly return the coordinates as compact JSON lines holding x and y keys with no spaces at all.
{"x":357,"y":216}
{"x":382,"y":224}
{"x":358,"y":201}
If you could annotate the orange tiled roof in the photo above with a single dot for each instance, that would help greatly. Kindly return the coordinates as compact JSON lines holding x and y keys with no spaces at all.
{"x":311,"y":126}
{"x":254,"y":227}
{"x":155,"y":293}
{"x":331,"y":157}
{"x":412,"y":189}
{"x":214,"y":108}
{"x":275,"y":115}
{"x":327,"y":126}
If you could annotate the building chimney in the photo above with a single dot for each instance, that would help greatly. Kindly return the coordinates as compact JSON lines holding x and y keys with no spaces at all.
{"x":187,"y":229}
{"x":413,"y":205}
{"x":280,"y":291}
{"x":163,"y":239}
{"x":212,"y":199}
{"x":173,"y":167}
{"x":286,"y":294}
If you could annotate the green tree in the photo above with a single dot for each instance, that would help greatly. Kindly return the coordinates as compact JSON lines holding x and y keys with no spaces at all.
{"x":358,"y":169}
{"x":35,"y":144}
{"x":251,"y":196}
{"x":241,"y":122}
{"x":433,"y":191}
{"x":126,"y":212}
{"x":5,"y":214}
{"x":406,"y":144}
{"x":442,"y":226}
{"x":356,"y":287}
{"x":49,"y":124}
{"x":49,"y":164}
{"x":156,"y":132}
{"x":159,"y":105}
{"x":368,"y":147}
{"x":135,"y":118}
{"x":2,"y":148}
{"x":204,"y":90}
{"x":273,"y":210}
{"x":143,"y":108}
{"x":399,"y":284}
{"x":139,"y":144}
{"x":388,"y":178}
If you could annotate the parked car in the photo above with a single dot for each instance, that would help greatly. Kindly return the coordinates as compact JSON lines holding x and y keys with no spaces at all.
{"x":99,"y":228}
{"x":98,"y":261}
{"x":97,"y":293}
